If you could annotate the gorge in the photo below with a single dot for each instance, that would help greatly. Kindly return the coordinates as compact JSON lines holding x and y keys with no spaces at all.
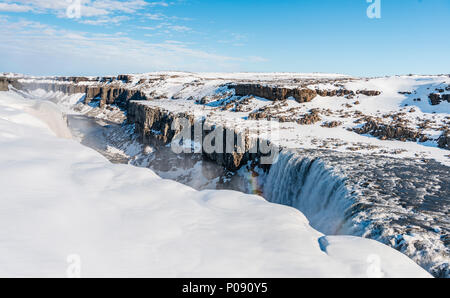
{"x":400,"y":198}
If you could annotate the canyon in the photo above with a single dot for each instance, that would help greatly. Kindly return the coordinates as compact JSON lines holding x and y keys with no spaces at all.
{"x":349,"y":161}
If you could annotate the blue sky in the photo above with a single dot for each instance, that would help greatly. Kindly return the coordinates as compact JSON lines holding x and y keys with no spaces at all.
{"x":110,"y":37}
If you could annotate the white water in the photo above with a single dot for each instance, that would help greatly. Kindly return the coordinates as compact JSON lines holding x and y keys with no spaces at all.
{"x":310,"y":187}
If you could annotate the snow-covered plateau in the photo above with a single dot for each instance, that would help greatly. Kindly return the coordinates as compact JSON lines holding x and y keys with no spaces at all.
{"x":360,"y":158}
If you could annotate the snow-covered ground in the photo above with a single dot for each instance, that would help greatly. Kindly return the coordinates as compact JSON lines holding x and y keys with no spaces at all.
{"x":403,"y":98}
{"x":61,"y":201}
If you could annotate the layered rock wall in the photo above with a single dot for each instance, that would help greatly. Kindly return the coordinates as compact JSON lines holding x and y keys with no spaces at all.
{"x":102,"y":89}
{"x":154,"y":126}
{"x":5,"y":82}
{"x":274,"y":93}
{"x":444,"y":140}
{"x":301,"y":95}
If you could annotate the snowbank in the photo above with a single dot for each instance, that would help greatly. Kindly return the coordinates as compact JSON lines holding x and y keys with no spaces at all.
{"x":61,"y":199}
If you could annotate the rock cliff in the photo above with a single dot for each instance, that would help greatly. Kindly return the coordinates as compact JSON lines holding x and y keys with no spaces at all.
{"x":154,"y":126}
{"x":274,"y":93}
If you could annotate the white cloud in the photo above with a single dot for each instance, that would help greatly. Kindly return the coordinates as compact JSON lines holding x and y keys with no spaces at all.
{"x":94,"y":12}
{"x":178,"y":28}
{"x":105,"y":20}
{"x":118,"y":6}
{"x":13,"y":7}
{"x":160,"y":17}
{"x":89,"y":8}
{"x":37,"y":48}
{"x":165,"y":28}
{"x":155,"y":16}
{"x":159,"y":3}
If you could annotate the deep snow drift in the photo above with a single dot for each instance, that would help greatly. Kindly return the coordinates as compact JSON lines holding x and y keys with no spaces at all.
{"x":60,"y":198}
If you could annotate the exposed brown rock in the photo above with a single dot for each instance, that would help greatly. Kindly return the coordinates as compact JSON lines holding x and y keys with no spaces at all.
{"x":113,"y":95}
{"x":125,"y":78}
{"x":154,"y":125}
{"x":303,"y":95}
{"x":274,"y":93}
{"x":5,"y":82}
{"x":311,"y":118}
{"x":369,"y":92}
{"x":437,"y":98}
{"x":444,"y":140}
{"x":105,"y":93}
{"x":395,"y":131}
{"x":332,"y":124}
{"x":75,"y":80}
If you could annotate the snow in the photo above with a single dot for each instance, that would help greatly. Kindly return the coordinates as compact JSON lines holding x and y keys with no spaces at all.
{"x":61,"y":200}
{"x":179,"y":90}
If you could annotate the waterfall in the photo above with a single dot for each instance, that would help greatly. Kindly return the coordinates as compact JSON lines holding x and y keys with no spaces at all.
{"x":309,"y":186}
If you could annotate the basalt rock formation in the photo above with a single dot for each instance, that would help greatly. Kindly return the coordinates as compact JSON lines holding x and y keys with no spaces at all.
{"x":436,"y":98}
{"x":111,"y":94}
{"x":369,"y":92}
{"x":5,"y":82}
{"x":105,"y":90}
{"x":444,"y":140}
{"x":158,"y":127}
{"x":274,"y":93}
{"x":394,"y":131}
{"x":301,"y":95}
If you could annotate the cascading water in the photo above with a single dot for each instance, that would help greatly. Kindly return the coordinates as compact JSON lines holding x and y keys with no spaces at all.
{"x":307,"y":185}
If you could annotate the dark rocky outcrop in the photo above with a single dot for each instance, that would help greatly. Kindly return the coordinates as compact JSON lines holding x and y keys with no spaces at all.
{"x":369,"y":92}
{"x":154,"y":126}
{"x":65,"y":87}
{"x":274,"y":93}
{"x":444,"y":140}
{"x":75,"y":80}
{"x":311,"y":118}
{"x":395,"y":131}
{"x":110,"y":94}
{"x":436,"y":98}
{"x":338,"y":92}
{"x":102,"y":89}
{"x":332,"y":124}
{"x":301,"y":95}
{"x":125,"y":78}
{"x":5,"y":82}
